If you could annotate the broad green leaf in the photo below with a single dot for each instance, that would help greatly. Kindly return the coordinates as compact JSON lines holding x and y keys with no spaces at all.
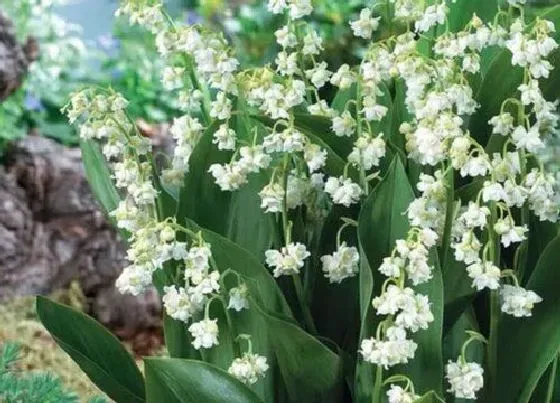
{"x":382,"y":221}
{"x":310,"y":371}
{"x":98,"y":176}
{"x":98,"y":353}
{"x":383,"y":217}
{"x":461,"y":12}
{"x":172,"y":380}
{"x":365,"y":372}
{"x":456,"y":336}
{"x":430,"y":397}
{"x":528,"y":345}
{"x":342,"y":97}
{"x":178,"y":339}
{"x":548,"y":388}
{"x":458,"y":290}
{"x":263,"y":290}
{"x":542,"y":233}
{"x":262,"y":287}
{"x":273,"y":331}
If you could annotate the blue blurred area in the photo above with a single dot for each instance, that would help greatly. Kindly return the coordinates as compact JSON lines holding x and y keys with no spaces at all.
{"x":95,"y":16}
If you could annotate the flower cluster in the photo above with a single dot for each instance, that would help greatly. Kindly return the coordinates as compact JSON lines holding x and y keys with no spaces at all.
{"x":466,"y":378}
{"x":395,"y":349}
{"x":305,"y":179}
{"x":249,"y":368}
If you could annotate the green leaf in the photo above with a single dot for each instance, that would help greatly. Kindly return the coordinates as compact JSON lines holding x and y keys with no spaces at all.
{"x":542,"y":233}
{"x":365,"y":372}
{"x":262,"y":287}
{"x":548,"y":388}
{"x":383,"y":217}
{"x":310,"y":371}
{"x":98,"y":353}
{"x":177,"y":339}
{"x":98,"y":176}
{"x":461,"y":12}
{"x":382,"y":221}
{"x":173,"y":380}
{"x":430,"y":397}
{"x":527,"y":346}
{"x":263,"y":291}
{"x":342,"y":97}
{"x":274,"y":332}
{"x":458,"y":290}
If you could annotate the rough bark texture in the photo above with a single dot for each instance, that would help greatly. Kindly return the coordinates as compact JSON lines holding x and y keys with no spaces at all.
{"x":14,"y":58}
{"x":52,"y":232}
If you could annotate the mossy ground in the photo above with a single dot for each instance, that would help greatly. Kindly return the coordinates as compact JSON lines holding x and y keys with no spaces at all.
{"x":39,"y":352}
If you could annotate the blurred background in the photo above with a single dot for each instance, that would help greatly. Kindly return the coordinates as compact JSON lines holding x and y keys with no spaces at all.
{"x":53,"y":238}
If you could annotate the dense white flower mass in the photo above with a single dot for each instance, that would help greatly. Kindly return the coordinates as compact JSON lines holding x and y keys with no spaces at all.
{"x":367,"y":152}
{"x":396,"y":349}
{"x":287,"y":261}
{"x":517,"y":301}
{"x":484,"y":275}
{"x":249,"y":368}
{"x":272,"y":198}
{"x":396,"y":394}
{"x":177,"y":303}
{"x":412,"y":310}
{"x":343,"y":190}
{"x":365,"y":25}
{"x":238,"y":298}
{"x":343,"y":263}
{"x":256,"y":120}
{"x":465,"y":378}
{"x":205,"y":333}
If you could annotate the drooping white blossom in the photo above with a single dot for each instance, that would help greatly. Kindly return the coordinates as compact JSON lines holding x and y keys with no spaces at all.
{"x":465,"y":378}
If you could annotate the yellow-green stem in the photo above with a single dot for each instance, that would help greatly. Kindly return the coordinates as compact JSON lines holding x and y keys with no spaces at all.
{"x":307,"y":317}
{"x":449,"y":213}
{"x":492,"y":352}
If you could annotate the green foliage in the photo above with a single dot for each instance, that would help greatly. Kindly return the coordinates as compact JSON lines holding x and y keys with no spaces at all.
{"x":186,"y":381}
{"x":310,"y":330}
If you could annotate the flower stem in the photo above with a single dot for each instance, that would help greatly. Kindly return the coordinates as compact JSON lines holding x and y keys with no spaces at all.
{"x":449,"y":213}
{"x":286,"y":225}
{"x":492,"y":352}
{"x":521,"y":253}
{"x":307,"y":317}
